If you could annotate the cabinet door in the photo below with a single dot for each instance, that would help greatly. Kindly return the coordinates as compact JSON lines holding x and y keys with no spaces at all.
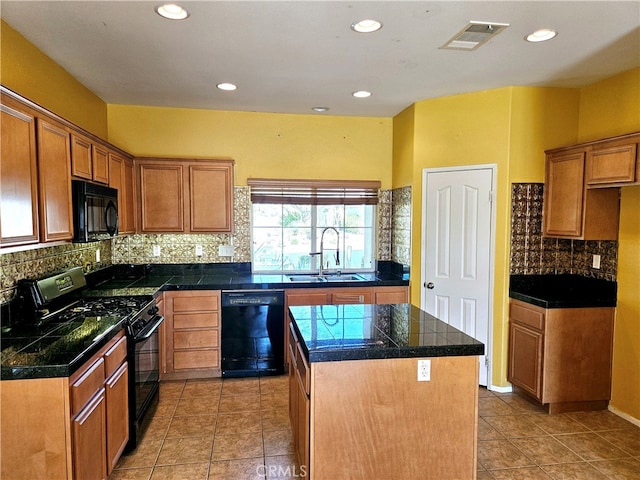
{"x":306,"y":297}
{"x":117,"y":415}
{"x":303,"y":418}
{"x":81,"y":157}
{"x":100,"y":164}
{"x":18,"y":178}
{"x":161,"y":198}
{"x":54,"y":164}
{"x":350,"y":296}
{"x":391,"y":295}
{"x":211,"y":198}
{"x":128,"y":202}
{"x":563,"y":194}
{"x":89,"y":447}
{"x":615,"y":164}
{"x":525,"y":359}
{"x":115,"y":181}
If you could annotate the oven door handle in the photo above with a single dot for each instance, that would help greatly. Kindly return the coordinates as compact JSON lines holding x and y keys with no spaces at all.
{"x":149,"y":331}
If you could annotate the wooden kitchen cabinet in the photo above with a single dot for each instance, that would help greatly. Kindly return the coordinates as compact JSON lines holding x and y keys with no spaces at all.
{"x":89,"y":449}
{"x":299,"y":402}
{"x":18,"y":176}
{"x":121,"y":177}
{"x":390,"y":295}
{"x":88,"y":160}
{"x":178,"y":195}
{"x":54,"y":178}
{"x":613,"y":162}
{"x":117,"y":402}
{"x":191,"y":334}
{"x":562,"y":357}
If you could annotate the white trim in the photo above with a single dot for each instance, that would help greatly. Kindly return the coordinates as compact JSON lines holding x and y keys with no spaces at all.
{"x":495,"y":388}
{"x":626,"y":416}
{"x":492,"y":253}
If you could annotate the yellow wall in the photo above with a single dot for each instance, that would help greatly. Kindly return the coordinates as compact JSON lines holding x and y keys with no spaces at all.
{"x":608,"y":108}
{"x":262,"y":144}
{"x":30,"y":73}
{"x":403,"y":140}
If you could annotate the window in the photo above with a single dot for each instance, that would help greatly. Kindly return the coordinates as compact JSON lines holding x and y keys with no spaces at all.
{"x":289,"y":221}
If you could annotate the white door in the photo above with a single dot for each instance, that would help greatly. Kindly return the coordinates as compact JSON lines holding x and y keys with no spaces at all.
{"x":457,"y":251}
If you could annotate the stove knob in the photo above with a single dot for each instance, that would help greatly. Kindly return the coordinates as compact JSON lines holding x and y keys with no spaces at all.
{"x":153,"y":310}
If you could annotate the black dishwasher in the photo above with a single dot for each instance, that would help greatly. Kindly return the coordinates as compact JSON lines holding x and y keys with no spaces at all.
{"x":252,"y":333}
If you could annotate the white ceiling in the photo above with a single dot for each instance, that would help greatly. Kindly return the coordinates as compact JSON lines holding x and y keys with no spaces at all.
{"x":290,"y":56}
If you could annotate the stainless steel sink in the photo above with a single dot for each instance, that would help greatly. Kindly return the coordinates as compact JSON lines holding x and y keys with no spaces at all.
{"x":326,"y":278}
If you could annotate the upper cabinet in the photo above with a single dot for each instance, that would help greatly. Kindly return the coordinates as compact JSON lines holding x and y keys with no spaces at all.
{"x":182,"y":195}
{"x":89,"y":160}
{"x":18,"y":176}
{"x":581,"y":194}
{"x":121,"y":178}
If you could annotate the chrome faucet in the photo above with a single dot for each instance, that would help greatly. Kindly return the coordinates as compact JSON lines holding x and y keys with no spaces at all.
{"x":321,"y":252}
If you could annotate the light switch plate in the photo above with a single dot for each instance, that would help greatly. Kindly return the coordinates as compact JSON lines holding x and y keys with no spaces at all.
{"x":156,"y":250}
{"x":596,"y":261}
{"x":198,"y":250}
{"x":98,"y":255}
{"x":225,"y":250}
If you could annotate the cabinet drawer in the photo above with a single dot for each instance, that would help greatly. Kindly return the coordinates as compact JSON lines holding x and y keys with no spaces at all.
{"x":196,"y":320}
{"x":303,"y":369}
{"x":348,"y":298}
{"x":195,"y":339}
{"x":521,"y":313}
{"x":196,"y":359}
{"x":196,"y":303}
{"x":317,"y":298}
{"x":114,"y":356}
{"x":87,"y":385}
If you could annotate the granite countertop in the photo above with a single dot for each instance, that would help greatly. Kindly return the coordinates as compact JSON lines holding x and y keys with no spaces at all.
{"x":563,"y":291}
{"x":360,"y":332}
{"x":57,"y":350}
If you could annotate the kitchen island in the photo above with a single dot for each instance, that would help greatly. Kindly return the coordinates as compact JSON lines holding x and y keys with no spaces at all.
{"x":382,"y":391}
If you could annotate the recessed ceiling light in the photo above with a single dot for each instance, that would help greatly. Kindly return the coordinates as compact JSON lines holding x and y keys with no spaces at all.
{"x":366,"y":26}
{"x":541,"y":35}
{"x":229,"y":87}
{"x":320,"y":109}
{"x":361,"y":94}
{"x":172,"y":11}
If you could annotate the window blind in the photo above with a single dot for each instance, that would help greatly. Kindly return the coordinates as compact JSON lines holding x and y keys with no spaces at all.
{"x":314,"y":192}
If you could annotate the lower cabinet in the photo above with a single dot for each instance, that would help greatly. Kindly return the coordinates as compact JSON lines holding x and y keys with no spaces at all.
{"x":562,"y":357}
{"x":72,"y":428}
{"x":191,"y":334}
{"x":299,"y":402}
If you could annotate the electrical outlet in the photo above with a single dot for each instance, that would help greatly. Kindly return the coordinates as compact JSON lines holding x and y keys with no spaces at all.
{"x":198,"y":250}
{"x":156,"y":250}
{"x":424,"y":370}
{"x":98,"y":255}
{"x":596,"y":261}
{"x":225,"y":250}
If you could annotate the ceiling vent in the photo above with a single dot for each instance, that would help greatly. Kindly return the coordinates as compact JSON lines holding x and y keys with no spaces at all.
{"x":474,"y":35}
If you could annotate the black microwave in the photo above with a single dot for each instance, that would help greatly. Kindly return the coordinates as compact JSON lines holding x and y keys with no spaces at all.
{"x":95,"y":211}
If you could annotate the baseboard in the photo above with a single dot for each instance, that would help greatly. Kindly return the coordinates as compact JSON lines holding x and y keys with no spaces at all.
{"x":495,"y":388}
{"x":626,"y":416}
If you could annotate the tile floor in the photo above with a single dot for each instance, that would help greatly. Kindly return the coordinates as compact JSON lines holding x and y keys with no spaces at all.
{"x":236,"y":429}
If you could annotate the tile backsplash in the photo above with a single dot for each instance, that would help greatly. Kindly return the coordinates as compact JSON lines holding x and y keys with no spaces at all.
{"x":531,"y":253}
{"x":394,"y":243}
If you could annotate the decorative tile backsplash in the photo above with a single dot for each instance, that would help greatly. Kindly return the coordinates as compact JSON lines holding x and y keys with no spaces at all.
{"x":394,"y":243}
{"x":531,"y":253}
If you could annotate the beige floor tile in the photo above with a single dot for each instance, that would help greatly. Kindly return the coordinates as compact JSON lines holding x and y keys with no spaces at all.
{"x":600,"y":420}
{"x":545,"y":450}
{"x":242,"y":469}
{"x":485,"y":476}
{"x":573,"y":471}
{"x":495,"y":454}
{"x":524,"y":473}
{"x":202,"y":388}
{"x":557,"y":423}
{"x":627,"y":439}
{"x":274,"y":400}
{"x":512,"y":426}
{"x":157,"y":428}
{"x":197,"y":406}
{"x":185,"y":450}
{"x":491,"y":406}
{"x":191,"y":471}
{"x":166,"y":408}
{"x":624,"y":469}
{"x":241,"y":386}
{"x":241,"y":422}
{"x":144,"y":455}
{"x":171,"y":389}
{"x":192,"y":426}
{"x":284,"y":466}
{"x":245,"y":445}
{"x":483,"y":392}
{"x":590,"y":446}
{"x":277,"y":385}
{"x":238,"y":403}
{"x":520,"y":404}
{"x":276,"y":419}
{"x":131,"y":474}
{"x":487,"y":432}
{"x":278,"y":442}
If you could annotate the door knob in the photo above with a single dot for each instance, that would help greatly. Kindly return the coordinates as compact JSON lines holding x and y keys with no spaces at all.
{"x":429,"y":285}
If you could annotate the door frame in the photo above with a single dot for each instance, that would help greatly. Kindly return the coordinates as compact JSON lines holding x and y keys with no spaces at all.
{"x":492,"y":248}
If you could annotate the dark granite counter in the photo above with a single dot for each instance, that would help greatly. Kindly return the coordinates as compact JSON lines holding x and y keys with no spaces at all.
{"x":358,"y":332}
{"x":563,"y":291}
